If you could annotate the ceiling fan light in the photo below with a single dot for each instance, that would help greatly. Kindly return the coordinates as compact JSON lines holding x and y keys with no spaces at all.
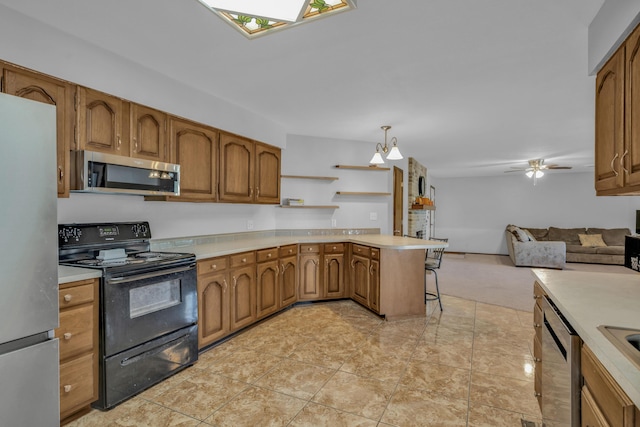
{"x":539,"y":174}
{"x":394,"y":154}
{"x":377,"y":159}
{"x":529,"y":174}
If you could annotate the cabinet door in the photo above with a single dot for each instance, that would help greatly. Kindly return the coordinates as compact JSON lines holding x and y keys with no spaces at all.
{"x":590,"y":413}
{"x":236,"y":169}
{"x":213,"y":308}
{"x":100,"y":122}
{"x":243,"y":296}
{"x":194,"y":148}
{"x":309,"y":276}
{"x":288,"y":280}
{"x":267,"y":174}
{"x":610,"y":123}
{"x":360,"y":279}
{"x":374,"y":286}
{"x":632,"y":108}
{"x":148,"y":133}
{"x":41,"y":88}
{"x":334,"y":283}
{"x":267,"y":284}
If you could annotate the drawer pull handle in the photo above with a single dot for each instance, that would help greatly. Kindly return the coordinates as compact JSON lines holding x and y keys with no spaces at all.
{"x":537,"y":359}
{"x":67,"y":297}
{"x":290,"y":250}
{"x":268,"y":255}
{"x":67,"y":335}
{"x":244,"y":260}
{"x":214,"y":267}
{"x":67,"y":388}
{"x":537,"y":394}
{"x":536,"y":297}
{"x":537,"y":325}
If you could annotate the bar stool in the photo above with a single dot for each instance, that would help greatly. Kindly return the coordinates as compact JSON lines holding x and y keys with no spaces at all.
{"x":432,"y":262}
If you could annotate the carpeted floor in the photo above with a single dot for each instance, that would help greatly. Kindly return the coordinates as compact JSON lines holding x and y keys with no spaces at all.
{"x":494,"y":279}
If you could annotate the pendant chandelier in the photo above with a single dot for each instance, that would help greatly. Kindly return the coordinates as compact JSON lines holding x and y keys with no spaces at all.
{"x":394,"y":152}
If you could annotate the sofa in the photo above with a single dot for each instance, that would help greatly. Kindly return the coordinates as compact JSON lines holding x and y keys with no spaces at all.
{"x":552,"y":247}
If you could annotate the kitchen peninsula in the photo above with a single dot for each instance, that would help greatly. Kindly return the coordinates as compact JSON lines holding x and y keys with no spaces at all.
{"x":396,"y":292}
{"x":588,"y":300}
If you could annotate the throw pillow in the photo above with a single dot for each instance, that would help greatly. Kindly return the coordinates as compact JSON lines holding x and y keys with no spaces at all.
{"x":592,"y":240}
{"x":530,"y":235}
{"x":519,"y":233}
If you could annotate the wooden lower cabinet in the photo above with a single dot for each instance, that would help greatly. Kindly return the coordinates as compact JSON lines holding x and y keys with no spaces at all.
{"x":242,"y":285}
{"x":78,"y":338}
{"x":288,"y":275}
{"x":310,"y":272}
{"x":365,"y":276}
{"x":360,"y":278}
{"x":538,"y":294}
{"x":267,"y":282}
{"x":604,"y":403}
{"x":213,"y":300}
{"x":334,"y":283}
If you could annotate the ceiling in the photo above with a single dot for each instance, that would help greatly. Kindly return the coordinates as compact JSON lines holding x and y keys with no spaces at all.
{"x":470,"y":87}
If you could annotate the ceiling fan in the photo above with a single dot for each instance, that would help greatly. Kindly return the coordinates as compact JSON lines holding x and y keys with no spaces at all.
{"x":536,"y":169}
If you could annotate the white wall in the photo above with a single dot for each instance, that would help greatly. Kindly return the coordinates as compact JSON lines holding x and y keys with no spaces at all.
{"x":306,"y":155}
{"x":473,"y":212}
{"x":609,"y":28}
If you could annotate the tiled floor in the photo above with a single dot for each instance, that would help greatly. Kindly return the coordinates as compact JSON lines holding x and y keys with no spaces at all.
{"x":336,"y":364}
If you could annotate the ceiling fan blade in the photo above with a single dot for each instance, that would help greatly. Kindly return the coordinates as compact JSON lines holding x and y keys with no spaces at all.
{"x":515,"y":170}
{"x":559,"y":167}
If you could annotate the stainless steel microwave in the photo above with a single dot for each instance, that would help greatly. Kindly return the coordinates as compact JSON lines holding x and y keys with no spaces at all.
{"x":97,"y":172}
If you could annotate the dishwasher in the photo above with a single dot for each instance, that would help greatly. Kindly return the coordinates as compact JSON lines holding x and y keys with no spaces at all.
{"x":560,"y":369}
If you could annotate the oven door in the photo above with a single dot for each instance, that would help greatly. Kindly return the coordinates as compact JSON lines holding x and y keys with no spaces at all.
{"x":141,"y":307}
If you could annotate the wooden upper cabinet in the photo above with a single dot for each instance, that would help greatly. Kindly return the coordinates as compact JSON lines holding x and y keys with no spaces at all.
{"x":148,"y":133}
{"x":610,"y":123}
{"x":103,"y":122}
{"x":194,"y":148}
{"x":267,"y":174}
{"x":236,"y":169}
{"x":617,"y":154}
{"x":249,"y":171}
{"x":632,"y":108}
{"x":41,"y":88}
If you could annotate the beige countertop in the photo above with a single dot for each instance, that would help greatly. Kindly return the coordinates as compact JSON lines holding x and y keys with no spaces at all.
{"x":68,"y":274}
{"x":588,"y":300}
{"x":209,"y":250}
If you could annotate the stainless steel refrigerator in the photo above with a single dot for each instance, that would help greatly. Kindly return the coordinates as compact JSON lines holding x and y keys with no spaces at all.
{"x":29,"y":367}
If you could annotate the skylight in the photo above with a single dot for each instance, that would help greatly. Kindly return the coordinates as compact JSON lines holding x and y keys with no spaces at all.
{"x":255,"y":18}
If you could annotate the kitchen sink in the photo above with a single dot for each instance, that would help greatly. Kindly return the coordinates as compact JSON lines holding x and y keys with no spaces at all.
{"x":626,"y":340}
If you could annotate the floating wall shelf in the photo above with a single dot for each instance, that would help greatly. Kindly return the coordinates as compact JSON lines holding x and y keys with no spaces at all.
{"x":310,"y":207}
{"x":364,"y":168}
{"x":319,"y":178}
{"x":361,"y":193}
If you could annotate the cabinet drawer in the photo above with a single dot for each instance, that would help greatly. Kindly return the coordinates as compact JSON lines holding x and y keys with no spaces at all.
{"x":361,"y":250}
{"x":590,"y":413}
{"x":239,"y":260}
{"x":288,"y":250}
{"x":333,"y":248}
{"x":615,"y":405}
{"x":212,"y":265}
{"x":77,"y":383}
{"x":267,"y":254}
{"x":75,"y":295}
{"x":75,"y":331}
{"x":375,"y":253}
{"x":310,"y":248}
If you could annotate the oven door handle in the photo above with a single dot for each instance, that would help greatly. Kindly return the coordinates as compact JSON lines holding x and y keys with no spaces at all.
{"x":159,"y":273}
